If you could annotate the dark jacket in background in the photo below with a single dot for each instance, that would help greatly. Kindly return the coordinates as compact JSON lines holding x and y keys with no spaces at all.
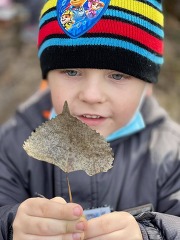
{"x":146,"y":170}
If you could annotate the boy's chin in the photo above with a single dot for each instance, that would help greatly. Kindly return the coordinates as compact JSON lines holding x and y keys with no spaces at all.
{"x":101,"y":132}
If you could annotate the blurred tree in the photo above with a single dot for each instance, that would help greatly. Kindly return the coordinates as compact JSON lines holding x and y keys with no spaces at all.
{"x":173,"y":7}
{"x":33,"y":7}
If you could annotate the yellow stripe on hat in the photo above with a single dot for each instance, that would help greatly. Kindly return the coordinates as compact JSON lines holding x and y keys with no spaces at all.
{"x":140,"y":8}
{"x":48,"y":5}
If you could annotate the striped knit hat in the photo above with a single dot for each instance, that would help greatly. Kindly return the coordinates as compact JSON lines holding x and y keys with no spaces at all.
{"x":122,"y":35}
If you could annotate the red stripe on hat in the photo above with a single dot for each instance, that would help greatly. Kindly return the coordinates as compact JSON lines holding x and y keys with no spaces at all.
{"x":49,"y":29}
{"x":129,"y":31}
{"x":112,"y":27}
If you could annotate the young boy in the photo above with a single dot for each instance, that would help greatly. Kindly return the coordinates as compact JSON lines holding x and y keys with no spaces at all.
{"x":104,"y":67}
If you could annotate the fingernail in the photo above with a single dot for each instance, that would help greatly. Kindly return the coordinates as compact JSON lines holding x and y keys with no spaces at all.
{"x":77,"y":211}
{"x":80,"y":226}
{"x":76,"y":236}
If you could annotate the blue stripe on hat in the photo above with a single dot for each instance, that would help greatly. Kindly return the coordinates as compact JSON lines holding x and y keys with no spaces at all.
{"x":155,"y":3}
{"x":47,"y":16}
{"x":68,"y":42}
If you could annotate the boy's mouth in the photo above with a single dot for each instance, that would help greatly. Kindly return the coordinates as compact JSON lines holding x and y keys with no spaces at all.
{"x":91,"y":119}
{"x":91,"y":116}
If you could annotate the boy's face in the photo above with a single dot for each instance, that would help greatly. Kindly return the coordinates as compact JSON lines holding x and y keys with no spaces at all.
{"x":103,"y":99}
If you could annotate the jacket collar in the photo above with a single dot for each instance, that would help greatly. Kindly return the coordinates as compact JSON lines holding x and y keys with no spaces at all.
{"x":35,"y":110}
{"x":152,"y":112}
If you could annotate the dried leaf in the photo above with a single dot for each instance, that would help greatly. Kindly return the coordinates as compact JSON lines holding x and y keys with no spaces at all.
{"x":70,"y":144}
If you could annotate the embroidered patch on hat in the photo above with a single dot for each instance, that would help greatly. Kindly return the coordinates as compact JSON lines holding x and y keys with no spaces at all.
{"x":76,"y":17}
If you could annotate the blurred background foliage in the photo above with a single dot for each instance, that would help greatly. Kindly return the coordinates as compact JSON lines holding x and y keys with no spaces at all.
{"x":168,"y":87}
{"x":20,"y":74}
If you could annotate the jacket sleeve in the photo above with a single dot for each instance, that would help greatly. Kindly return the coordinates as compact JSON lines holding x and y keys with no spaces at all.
{"x":14,"y":169}
{"x":7,"y":215}
{"x":164,"y":225}
{"x":11,"y":193}
{"x":164,"y":222}
{"x":13,"y":188}
{"x":158,"y":226}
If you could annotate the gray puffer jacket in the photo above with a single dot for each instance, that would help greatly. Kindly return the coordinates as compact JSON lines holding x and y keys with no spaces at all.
{"x":146,"y":171}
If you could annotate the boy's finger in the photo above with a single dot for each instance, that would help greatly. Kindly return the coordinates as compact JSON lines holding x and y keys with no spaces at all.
{"x":53,"y":227}
{"x":59,"y":200}
{"x":69,"y":236}
{"x":108,"y":223}
{"x":41,"y":207}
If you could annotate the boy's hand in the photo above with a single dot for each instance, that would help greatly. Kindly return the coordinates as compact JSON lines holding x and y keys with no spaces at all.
{"x":41,"y":219}
{"x":113,"y":226}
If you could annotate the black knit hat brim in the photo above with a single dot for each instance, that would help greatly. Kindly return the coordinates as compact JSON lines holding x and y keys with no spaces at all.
{"x":99,"y":57}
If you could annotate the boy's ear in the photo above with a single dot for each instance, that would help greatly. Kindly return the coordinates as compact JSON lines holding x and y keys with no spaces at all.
{"x":149,"y":89}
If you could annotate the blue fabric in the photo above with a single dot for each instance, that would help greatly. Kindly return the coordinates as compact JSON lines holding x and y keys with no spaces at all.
{"x":135,"y":125}
{"x":53,"y":114}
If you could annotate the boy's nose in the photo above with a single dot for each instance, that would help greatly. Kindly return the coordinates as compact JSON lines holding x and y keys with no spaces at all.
{"x":92,"y":92}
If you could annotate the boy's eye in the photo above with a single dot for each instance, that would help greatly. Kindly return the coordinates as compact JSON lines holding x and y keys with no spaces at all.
{"x":71,"y":73}
{"x":117,"y":76}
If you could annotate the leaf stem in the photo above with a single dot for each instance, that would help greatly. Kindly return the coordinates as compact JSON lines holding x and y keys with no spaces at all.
{"x":69,"y":188}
